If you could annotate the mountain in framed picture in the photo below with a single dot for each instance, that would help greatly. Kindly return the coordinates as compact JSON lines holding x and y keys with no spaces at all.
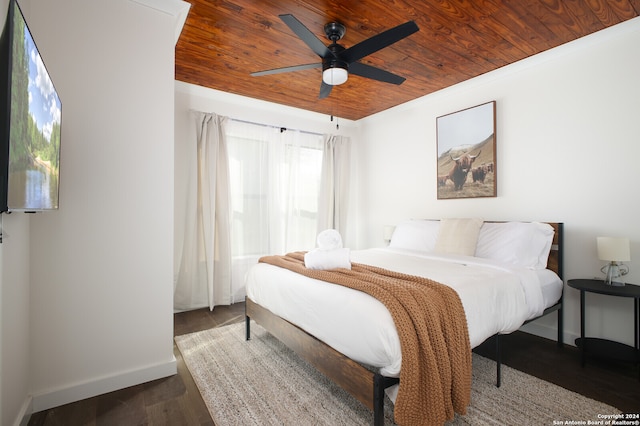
{"x":466,"y":144}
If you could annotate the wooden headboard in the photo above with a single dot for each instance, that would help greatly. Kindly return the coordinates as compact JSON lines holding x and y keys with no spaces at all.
{"x":555,"y":256}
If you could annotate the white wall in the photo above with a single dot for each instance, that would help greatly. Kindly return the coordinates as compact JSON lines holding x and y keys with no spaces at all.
{"x":567,"y":142}
{"x":99,"y":310}
{"x":14,"y":317}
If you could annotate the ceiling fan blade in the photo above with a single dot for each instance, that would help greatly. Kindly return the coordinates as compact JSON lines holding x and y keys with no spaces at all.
{"x":305,"y":35}
{"x":286,"y":69}
{"x":377,"y":42}
{"x":325,"y":90}
{"x":374,"y":73}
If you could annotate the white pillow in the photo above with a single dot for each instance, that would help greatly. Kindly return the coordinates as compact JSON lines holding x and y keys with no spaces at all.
{"x":415,"y":235}
{"x":458,"y":236}
{"x":525,"y":244}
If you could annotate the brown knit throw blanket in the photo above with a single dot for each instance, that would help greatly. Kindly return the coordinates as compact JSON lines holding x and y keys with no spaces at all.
{"x":435,"y":379}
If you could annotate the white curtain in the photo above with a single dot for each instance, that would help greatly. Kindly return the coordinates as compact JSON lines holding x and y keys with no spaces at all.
{"x":300,"y":187}
{"x":334,"y":192}
{"x":275,"y":181}
{"x":204,"y":275}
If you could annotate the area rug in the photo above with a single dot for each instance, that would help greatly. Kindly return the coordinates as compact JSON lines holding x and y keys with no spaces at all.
{"x":262,"y":382}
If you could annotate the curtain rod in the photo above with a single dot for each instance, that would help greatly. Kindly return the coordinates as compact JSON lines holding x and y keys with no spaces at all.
{"x":282,"y":129}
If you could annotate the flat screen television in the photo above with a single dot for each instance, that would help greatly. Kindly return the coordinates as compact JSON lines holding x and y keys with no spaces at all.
{"x":30,"y":119}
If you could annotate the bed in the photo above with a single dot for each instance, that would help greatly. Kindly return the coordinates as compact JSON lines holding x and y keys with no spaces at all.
{"x":506,"y":274}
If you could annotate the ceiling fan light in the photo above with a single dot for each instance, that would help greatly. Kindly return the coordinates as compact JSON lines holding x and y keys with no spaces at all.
{"x":335,"y":76}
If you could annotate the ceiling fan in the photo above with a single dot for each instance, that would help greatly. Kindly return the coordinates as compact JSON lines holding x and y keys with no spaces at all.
{"x":337,"y":61}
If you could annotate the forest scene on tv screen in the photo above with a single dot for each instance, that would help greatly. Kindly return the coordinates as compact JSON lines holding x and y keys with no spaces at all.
{"x":35,"y":127}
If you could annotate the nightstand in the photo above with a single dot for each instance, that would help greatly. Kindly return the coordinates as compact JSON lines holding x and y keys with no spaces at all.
{"x":603,"y":347}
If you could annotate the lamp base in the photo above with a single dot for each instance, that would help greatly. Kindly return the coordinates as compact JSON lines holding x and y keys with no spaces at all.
{"x":612,"y":271}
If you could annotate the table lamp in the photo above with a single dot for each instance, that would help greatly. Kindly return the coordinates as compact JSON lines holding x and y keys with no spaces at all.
{"x":614,"y":251}
{"x":387,"y":232}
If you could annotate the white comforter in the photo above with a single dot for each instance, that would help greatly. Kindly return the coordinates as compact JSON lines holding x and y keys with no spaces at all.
{"x":496,"y":298}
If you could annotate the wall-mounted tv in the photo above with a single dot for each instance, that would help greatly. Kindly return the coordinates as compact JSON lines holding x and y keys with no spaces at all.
{"x":30,"y":119}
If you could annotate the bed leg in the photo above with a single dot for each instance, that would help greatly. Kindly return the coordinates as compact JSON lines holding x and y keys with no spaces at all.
{"x":560,"y":328}
{"x":378,"y":400}
{"x":498,"y":361}
{"x":247,"y":323}
{"x":380,"y":383}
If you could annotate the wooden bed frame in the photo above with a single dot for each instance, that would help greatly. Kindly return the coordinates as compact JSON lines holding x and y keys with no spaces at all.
{"x":365,"y":385}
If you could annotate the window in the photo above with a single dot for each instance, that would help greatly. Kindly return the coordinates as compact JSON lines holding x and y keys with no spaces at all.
{"x":274,"y":183}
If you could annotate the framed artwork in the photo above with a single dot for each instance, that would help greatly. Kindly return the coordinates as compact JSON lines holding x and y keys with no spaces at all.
{"x":466,"y":144}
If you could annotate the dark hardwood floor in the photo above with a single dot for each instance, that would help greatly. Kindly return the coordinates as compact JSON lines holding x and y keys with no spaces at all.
{"x":176,"y":401}
{"x":616,"y":384}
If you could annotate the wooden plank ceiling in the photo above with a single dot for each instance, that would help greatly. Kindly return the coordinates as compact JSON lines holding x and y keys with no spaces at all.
{"x":223,"y":41}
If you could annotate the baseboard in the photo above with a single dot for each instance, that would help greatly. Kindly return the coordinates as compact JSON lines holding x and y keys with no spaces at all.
{"x":25,"y":413}
{"x":46,"y":400}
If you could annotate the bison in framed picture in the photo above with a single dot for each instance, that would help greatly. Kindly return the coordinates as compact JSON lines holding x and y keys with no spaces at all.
{"x":466,"y":144}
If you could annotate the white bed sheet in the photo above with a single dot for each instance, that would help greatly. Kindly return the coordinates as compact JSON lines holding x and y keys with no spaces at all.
{"x":496,"y":298}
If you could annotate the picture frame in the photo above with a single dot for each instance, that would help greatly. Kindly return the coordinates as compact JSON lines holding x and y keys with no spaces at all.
{"x":466,"y":153}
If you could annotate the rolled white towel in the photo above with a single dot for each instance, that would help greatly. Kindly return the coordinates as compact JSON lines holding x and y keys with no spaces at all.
{"x":329,"y":239}
{"x":328,"y":259}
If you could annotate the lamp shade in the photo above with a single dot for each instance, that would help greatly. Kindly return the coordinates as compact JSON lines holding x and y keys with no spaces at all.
{"x":335,"y":76}
{"x":614,"y":249}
